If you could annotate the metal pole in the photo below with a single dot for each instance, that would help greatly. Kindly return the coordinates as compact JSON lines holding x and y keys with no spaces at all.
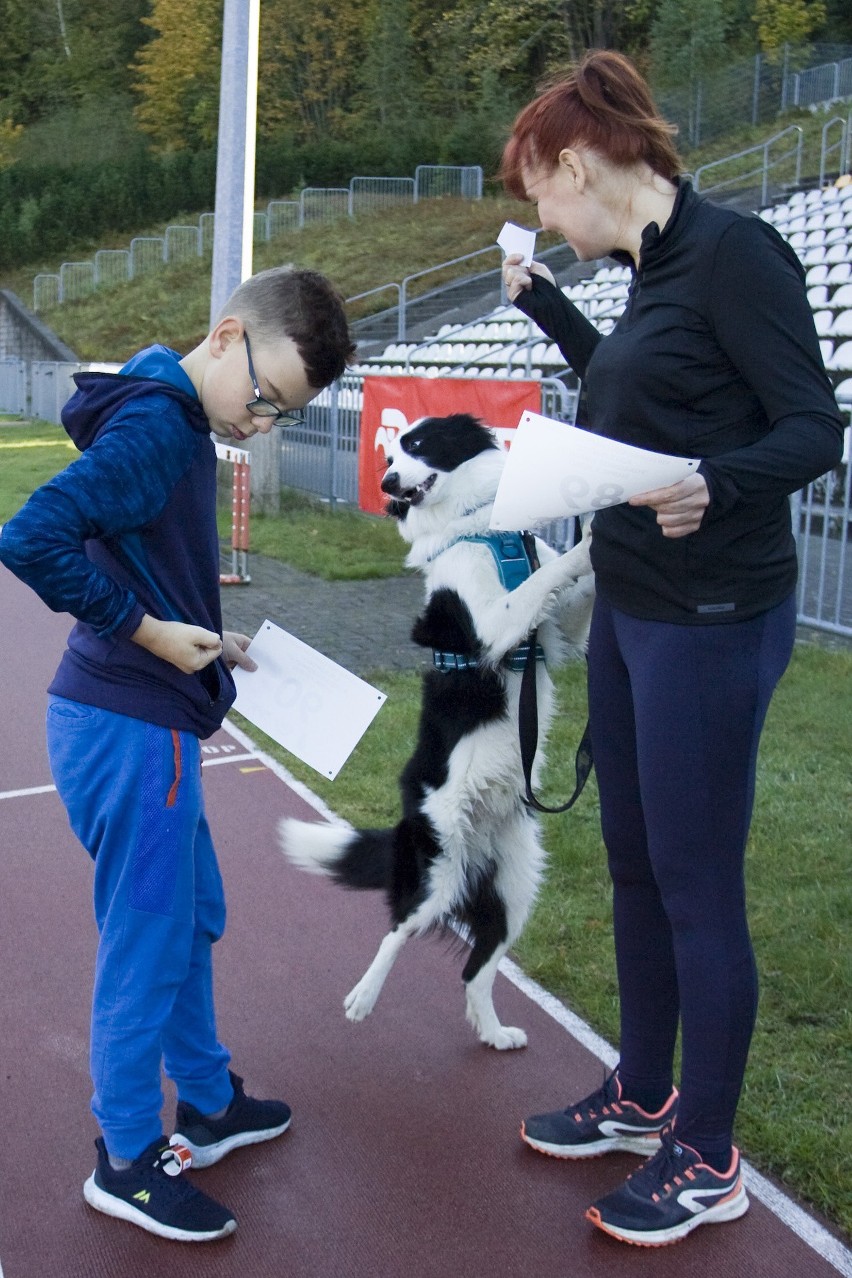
{"x":234,"y":220}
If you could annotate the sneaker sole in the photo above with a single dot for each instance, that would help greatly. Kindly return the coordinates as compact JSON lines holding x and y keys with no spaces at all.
{"x":207,"y":1155}
{"x":731,"y":1209}
{"x":644,"y":1145}
{"x":121,"y":1210}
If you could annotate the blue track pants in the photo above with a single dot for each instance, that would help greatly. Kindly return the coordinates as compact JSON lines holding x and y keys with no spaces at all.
{"x":676,"y":714}
{"x":133,"y":796}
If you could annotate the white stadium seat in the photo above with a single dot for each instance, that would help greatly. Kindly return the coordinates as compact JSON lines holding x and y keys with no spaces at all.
{"x":841,"y":298}
{"x":840,"y":273}
{"x":842,"y":326}
{"x":841,"y":360}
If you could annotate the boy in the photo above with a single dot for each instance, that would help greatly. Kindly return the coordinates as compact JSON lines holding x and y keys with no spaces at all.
{"x":125,"y":540}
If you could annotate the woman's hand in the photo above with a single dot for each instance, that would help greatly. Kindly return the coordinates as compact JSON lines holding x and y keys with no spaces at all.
{"x":518,"y":277}
{"x":680,"y":507}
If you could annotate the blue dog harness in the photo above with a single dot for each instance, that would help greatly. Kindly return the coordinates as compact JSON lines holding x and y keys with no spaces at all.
{"x":514,"y":567}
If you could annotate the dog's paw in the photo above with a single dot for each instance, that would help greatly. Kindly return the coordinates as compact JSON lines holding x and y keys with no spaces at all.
{"x":360,"y":1001}
{"x":506,"y":1038}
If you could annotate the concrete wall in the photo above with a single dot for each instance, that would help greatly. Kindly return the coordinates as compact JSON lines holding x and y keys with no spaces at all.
{"x":24,"y":336}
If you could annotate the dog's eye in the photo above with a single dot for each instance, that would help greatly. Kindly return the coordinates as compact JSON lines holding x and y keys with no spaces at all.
{"x":388,"y":460}
{"x":413,"y":447}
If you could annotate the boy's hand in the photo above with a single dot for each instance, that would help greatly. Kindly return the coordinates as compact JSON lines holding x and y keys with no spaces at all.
{"x":234,"y":650}
{"x":190,"y":648}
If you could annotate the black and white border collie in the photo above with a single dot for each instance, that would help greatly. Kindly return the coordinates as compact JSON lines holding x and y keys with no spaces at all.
{"x":467,"y":849}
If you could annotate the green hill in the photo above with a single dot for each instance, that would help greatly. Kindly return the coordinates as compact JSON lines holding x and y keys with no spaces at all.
{"x":172,"y":305}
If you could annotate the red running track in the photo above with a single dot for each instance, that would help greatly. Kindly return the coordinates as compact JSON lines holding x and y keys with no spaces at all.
{"x":403,"y":1157}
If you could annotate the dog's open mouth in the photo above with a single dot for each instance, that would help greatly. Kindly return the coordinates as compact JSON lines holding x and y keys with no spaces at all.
{"x":414,"y":496}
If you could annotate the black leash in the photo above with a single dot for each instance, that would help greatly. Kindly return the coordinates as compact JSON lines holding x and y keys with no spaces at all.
{"x":528,"y":720}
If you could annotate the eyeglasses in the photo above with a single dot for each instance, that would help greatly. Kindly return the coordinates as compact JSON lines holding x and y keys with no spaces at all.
{"x":261,"y":407}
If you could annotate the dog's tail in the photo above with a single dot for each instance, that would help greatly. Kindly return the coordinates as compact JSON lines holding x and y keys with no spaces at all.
{"x":353,"y":858}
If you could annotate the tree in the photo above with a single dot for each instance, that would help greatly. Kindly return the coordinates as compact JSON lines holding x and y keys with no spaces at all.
{"x":781,"y":22}
{"x":687,"y":41}
{"x":177,"y":73}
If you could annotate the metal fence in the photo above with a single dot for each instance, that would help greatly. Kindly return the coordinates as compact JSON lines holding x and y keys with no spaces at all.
{"x":757,"y":90}
{"x":182,"y":243}
{"x":321,"y":458}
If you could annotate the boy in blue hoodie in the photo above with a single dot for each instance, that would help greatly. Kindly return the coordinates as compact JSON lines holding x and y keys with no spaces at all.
{"x":125,"y":540}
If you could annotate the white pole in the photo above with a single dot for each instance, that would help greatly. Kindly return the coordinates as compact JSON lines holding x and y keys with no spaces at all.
{"x":234,"y":220}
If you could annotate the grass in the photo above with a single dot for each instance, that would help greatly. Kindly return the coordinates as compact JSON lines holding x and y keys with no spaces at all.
{"x":29,"y":456}
{"x":338,"y":545}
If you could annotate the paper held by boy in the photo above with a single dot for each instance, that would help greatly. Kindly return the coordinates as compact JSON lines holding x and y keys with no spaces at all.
{"x":305,"y":701}
{"x":555,"y":470}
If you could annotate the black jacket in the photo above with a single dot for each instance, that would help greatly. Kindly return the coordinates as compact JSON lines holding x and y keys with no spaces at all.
{"x":716,"y":356}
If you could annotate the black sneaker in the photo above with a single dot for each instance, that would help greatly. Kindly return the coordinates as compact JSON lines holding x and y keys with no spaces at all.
{"x":600,"y":1124}
{"x":668,"y":1197}
{"x":152,"y":1193}
{"x":245,"y":1122}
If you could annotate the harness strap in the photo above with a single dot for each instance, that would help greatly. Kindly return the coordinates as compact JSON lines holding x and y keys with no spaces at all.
{"x":446,"y":662}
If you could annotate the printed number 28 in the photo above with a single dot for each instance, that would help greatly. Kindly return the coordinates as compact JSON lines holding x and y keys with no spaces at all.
{"x":577,"y":490}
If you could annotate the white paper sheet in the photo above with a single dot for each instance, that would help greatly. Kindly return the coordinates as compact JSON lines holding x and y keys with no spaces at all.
{"x":307,"y":703}
{"x":517,"y":239}
{"x":554,"y":471}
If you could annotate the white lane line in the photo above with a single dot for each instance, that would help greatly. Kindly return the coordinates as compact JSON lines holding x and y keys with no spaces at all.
{"x":794,"y":1217}
{"x":25,"y":794}
{"x":205,"y":763}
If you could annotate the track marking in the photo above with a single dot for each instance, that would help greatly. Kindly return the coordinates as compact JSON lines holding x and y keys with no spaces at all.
{"x":205,"y":763}
{"x":788,"y":1212}
{"x":25,"y":794}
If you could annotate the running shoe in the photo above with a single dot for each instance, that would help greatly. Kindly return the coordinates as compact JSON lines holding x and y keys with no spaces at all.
{"x":152,"y":1194}
{"x":601,"y":1124}
{"x":245,"y":1122}
{"x":669,"y":1196}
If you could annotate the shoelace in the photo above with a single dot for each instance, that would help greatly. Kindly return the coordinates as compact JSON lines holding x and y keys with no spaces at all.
{"x":669,"y":1167}
{"x":603,"y":1101}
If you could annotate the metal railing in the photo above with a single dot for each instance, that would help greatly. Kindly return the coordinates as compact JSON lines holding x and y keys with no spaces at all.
{"x":822,"y":522}
{"x":843,"y":146}
{"x":744,"y":175}
{"x":182,"y":243}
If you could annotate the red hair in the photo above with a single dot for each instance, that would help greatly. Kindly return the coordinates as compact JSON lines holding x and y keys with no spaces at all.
{"x":604,"y":105}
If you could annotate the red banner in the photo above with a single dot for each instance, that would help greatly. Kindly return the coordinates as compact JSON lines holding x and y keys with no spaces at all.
{"x":392,"y":403}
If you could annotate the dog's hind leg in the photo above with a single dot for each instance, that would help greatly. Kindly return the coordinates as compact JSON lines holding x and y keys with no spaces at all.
{"x":480,"y":1006}
{"x":505,"y":905}
{"x":360,"y":1001}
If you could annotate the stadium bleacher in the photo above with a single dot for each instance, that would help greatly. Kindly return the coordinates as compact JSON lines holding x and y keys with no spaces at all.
{"x":817,"y":224}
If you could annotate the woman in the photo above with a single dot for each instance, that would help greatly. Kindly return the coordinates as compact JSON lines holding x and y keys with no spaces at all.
{"x":715,"y":357}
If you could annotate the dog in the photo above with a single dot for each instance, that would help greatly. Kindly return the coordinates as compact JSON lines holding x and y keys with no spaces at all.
{"x":467,"y":851}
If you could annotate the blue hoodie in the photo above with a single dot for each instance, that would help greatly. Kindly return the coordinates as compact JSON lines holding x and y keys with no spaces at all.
{"x":127,"y":529}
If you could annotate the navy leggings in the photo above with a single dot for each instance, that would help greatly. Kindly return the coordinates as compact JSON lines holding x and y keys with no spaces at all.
{"x":676,"y":714}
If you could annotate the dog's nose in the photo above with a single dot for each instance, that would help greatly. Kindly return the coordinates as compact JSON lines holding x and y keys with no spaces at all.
{"x":390,"y":483}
